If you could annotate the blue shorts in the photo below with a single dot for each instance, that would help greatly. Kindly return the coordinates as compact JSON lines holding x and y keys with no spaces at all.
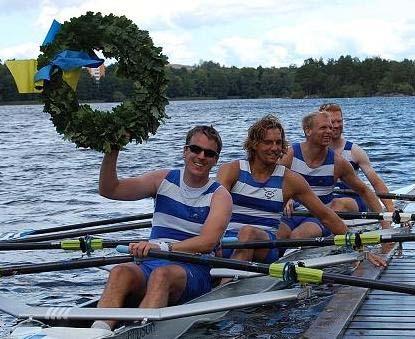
{"x":294,"y":222}
{"x":198,"y":277}
{"x":273,"y":254}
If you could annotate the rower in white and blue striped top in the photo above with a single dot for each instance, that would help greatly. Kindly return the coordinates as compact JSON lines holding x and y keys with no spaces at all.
{"x":180,"y":210}
{"x":347,"y":154}
{"x":359,"y":160}
{"x":260,"y":188}
{"x":191,"y":214}
{"x":257,"y":203}
{"x":321,"y":181}
{"x":321,"y":167}
{"x":321,"y":178}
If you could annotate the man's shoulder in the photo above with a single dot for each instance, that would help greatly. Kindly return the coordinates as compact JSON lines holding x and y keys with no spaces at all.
{"x":232,"y":166}
{"x":293,"y":181}
{"x":221,"y":193}
{"x":287,"y":158}
{"x":339,"y":161}
{"x":159,"y":175}
{"x":358,"y":153}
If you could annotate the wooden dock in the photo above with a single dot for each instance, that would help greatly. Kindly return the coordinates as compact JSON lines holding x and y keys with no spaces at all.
{"x":358,"y":312}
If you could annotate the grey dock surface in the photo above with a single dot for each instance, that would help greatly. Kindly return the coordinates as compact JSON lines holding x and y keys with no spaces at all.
{"x":358,"y":312}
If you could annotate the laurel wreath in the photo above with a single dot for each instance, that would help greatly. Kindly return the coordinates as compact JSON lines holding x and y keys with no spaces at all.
{"x":138,"y":59}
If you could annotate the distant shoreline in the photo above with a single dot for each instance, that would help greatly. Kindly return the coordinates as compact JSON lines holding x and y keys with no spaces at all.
{"x":36,"y":102}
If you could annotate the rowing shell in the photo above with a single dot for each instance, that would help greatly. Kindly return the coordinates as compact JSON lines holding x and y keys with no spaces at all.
{"x":167,"y":322}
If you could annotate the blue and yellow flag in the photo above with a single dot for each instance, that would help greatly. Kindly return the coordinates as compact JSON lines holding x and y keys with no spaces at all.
{"x":23,"y":72}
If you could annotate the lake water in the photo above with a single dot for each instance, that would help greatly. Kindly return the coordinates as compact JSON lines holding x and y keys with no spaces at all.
{"x":45,"y":181}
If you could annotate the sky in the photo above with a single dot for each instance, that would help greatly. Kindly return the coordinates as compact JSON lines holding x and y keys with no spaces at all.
{"x":237,"y":33}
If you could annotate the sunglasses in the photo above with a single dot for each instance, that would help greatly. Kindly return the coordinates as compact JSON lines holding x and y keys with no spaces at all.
{"x":197,"y":150}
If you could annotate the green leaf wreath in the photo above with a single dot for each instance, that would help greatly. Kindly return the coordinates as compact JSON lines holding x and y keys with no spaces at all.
{"x":138,"y":59}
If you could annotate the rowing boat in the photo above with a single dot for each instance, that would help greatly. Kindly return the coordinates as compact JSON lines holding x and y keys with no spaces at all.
{"x":170,"y":322}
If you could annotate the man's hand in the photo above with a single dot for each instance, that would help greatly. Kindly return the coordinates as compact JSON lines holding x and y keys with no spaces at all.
{"x":289,"y":208}
{"x":141,"y":248}
{"x":385,"y":224}
{"x":376,"y":260}
{"x":387,"y":247}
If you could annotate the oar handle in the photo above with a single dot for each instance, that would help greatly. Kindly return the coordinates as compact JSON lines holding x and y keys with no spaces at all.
{"x":122,"y":249}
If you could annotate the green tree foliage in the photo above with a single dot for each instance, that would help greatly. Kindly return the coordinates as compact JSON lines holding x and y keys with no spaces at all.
{"x":345,"y":77}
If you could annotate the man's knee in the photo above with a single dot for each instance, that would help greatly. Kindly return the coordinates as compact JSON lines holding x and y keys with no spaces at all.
{"x":124,"y":274}
{"x":159,"y":274}
{"x":166,"y":275}
{"x":122,"y":270}
{"x":247,"y":233}
{"x":337,"y":205}
{"x":284,"y":231}
{"x":343,"y":205}
{"x":306,"y":230}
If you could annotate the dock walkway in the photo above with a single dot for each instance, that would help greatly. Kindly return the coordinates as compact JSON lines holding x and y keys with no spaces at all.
{"x":358,"y":312}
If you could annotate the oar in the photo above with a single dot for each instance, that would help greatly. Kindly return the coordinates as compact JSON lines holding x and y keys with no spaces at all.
{"x":6,"y":271}
{"x":285,"y":271}
{"x":349,"y":239}
{"x":395,"y":196}
{"x":87,"y":224}
{"x":86,"y":244}
{"x":82,"y":232}
{"x":397,"y":216}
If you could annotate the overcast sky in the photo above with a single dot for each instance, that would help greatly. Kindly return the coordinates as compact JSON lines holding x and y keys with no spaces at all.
{"x":233,"y":33}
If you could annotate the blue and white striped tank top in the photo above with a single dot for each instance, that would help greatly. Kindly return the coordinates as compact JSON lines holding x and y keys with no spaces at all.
{"x":320,"y":179}
{"x":347,"y":154}
{"x":256,"y":203}
{"x":180,"y":211}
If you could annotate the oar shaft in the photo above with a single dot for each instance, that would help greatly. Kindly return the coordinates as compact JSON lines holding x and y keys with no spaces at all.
{"x":205,"y":259}
{"x":396,"y":217}
{"x":373,"y":284}
{"x":102,"y":261}
{"x":82,"y":232}
{"x":210,"y":260}
{"x":349,"y":239}
{"x":280,"y":243}
{"x":312,"y":274}
{"x":72,"y":244}
{"x":345,"y":215}
{"x":277,"y":270}
{"x":92,"y":224}
{"x":395,"y":196}
{"x":11,"y":246}
{"x":63,"y":265}
{"x":397,"y":238}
